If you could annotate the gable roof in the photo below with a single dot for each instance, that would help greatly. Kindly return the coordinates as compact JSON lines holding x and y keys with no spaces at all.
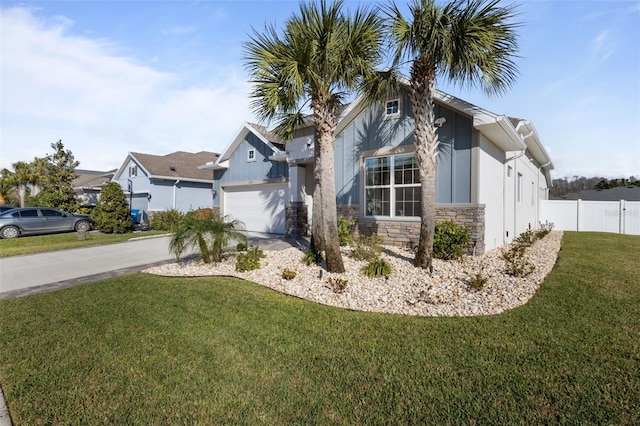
{"x":269,"y":138}
{"x":91,"y":179}
{"x":177,"y":165}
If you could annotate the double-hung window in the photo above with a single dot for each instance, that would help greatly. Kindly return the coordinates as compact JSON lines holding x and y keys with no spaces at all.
{"x":392,"y":108}
{"x":392,"y":186}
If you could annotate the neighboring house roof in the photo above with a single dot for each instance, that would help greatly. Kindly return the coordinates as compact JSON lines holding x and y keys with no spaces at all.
{"x":177,"y":165}
{"x":628,"y":193}
{"x":91,"y":179}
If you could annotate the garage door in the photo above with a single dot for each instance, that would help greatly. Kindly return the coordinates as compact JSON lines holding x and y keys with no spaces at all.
{"x":260,"y":207}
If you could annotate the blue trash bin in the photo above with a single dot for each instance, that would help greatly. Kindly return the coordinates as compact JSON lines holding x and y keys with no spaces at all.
{"x":135,"y":216}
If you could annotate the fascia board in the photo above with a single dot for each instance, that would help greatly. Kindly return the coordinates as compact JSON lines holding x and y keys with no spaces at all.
{"x":502,"y":133}
{"x":181,"y":179}
{"x":534,"y":145}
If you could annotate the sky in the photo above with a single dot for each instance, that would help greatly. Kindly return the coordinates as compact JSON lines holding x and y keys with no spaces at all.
{"x":112,"y":77}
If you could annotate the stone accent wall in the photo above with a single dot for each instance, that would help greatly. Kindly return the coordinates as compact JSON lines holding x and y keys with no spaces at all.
{"x":401,"y":233}
{"x":297,"y":224}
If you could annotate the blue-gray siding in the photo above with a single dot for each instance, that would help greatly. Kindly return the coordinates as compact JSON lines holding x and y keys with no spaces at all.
{"x":370,"y":132}
{"x":241,"y":170}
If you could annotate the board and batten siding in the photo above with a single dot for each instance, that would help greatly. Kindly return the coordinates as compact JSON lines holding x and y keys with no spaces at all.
{"x":370,"y":132}
{"x":242,"y":171}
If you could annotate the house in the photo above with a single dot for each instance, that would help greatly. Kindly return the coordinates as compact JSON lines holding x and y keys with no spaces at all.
{"x":161,"y":182}
{"x":627,"y":193}
{"x":88,"y":184}
{"x":492,"y":170}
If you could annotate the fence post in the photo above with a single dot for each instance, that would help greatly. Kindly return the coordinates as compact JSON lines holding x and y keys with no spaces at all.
{"x":578,"y":214}
{"x":622,"y":216}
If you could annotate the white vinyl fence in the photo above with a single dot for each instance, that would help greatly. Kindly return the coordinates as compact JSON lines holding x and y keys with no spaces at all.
{"x":622,"y":217}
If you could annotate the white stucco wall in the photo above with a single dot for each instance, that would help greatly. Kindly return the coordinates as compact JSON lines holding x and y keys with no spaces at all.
{"x":490,"y":191}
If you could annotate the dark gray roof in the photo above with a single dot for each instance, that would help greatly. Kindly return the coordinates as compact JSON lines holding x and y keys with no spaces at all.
{"x":629,"y":193}
{"x":92,"y":178}
{"x":178,"y":164}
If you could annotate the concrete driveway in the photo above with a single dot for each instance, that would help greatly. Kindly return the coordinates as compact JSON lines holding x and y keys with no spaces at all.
{"x":33,"y":273}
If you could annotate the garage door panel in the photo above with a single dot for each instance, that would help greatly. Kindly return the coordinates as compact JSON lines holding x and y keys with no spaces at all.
{"x":261,"y":208}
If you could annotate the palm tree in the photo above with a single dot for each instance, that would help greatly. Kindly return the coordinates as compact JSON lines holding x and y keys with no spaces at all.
{"x":20,"y":177}
{"x":468,"y":42}
{"x":6,"y":188}
{"x":196,"y":231}
{"x":321,"y":58}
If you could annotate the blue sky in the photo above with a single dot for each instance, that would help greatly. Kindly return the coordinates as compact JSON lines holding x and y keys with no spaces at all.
{"x":109,"y":77}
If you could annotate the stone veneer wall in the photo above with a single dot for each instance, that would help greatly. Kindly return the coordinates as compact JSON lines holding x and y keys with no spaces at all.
{"x":401,"y":233}
{"x":296,"y":221}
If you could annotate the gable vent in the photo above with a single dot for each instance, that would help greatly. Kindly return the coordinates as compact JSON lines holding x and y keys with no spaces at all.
{"x":173,"y":169}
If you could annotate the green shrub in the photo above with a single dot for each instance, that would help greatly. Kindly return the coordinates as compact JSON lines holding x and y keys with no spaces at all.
{"x":478,"y":280}
{"x":288,"y":274}
{"x":241,"y":246}
{"x":203,"y":214}
{"x":250,"y":260}
{"x":450,"y":240}
{"x":544,"y":229}
{"x":345,"y":230}
{"x":168,"y":220}
{"x":378,"y":268}
{"x":367,"y":248}
{"x":338,"y":285}
{"x":516,"y":264}
{"x":111,"y":215}
{"x":312,"y":257}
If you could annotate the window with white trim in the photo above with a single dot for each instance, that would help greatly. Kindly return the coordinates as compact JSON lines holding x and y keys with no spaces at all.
{"x":392,"y":186}
{"x":392,"y":108}
{"x":251,"y":154}
{"x":519,"y":191}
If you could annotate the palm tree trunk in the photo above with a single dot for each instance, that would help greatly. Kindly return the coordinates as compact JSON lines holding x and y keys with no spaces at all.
{"x":426,"y":141}
{"x":317,"y":231}
{"x":325,"y":123}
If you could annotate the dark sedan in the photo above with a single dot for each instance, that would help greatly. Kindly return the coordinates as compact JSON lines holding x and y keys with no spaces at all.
{"x":41,"y":220}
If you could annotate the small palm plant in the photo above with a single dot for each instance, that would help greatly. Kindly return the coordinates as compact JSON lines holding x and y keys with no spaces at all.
{"x":213,"y":231}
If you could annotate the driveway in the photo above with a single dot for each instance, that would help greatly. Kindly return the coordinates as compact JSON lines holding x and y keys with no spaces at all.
{"x":33,"y":273}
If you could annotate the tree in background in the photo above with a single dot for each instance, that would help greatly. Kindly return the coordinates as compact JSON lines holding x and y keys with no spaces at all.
{"x":322,"y":56}
{"x":57,"y":183}
{"x":111,"y":215}
{"x":19,"y":178}
{"x":468,"y":42}
{"x":7,"y":192}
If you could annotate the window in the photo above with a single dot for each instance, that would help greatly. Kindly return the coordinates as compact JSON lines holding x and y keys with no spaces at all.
{"x":133,"y":171}
{"x":392,"y":108}
{"x":51,"y":213}
{"x":392,"y":186}
{"x":251,"y":155}
{"x":519,"y":193}
{"x":509,"y":171}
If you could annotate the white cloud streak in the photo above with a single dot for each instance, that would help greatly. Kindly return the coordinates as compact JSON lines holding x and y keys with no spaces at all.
{"x":56,"y":85}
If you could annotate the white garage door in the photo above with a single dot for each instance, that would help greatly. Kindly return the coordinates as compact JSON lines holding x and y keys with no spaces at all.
{"x":260,"y":207}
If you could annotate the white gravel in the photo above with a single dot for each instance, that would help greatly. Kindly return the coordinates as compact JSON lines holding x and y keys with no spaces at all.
{"x":408,"y":291}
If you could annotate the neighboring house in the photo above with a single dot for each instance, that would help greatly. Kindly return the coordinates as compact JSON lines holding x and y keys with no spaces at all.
{"x":492,"y":171}
{"x":627,"y":193}
{"x":88,"y":184}
{"x":155,"y":183}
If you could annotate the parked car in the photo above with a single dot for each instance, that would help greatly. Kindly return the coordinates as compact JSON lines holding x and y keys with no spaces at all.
{"x":41,"y":220}
{"x":5,"y":208}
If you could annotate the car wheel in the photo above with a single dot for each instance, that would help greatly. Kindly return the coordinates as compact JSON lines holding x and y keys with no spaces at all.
{"x":10,"y":232}
{"x":83,"y":225}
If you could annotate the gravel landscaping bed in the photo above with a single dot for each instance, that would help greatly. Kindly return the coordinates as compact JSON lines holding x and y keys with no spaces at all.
{"x":408,"y":291}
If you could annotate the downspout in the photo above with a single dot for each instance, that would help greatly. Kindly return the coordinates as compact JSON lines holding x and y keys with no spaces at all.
{"x":175,"y":186}
{"x":504,"y":194}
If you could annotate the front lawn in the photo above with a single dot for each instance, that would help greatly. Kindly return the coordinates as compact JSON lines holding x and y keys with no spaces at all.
{"x":143,"y":349}
{"x":52,"y":242}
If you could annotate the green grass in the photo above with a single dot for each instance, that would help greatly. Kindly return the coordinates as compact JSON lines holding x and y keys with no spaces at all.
{"x":140,"y":349}
{"x":42,"y":243}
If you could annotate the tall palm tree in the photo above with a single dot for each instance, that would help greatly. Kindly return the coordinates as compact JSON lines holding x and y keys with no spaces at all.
{"x":323,"y":55}
{"x":468,"y":42}
{"x":20,"y":177}
{"x":210,"y":235}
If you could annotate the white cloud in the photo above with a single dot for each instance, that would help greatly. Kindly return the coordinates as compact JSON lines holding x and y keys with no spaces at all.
{"x":603,"y":46}
{"x":56,"y":85}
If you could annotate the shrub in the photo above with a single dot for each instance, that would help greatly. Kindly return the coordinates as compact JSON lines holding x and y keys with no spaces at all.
{"x":345,"y":230}
{"x":203,"y":214}
{"x":241,"y":246}
{"x":450,"y":240}
{"x":367,"y":248}
{"x":478,"y":280}
{"x":111,"y":214}
{"x":312,"y":257}
{"x":338,"y":285}
{"x":250,"y":260}
{"x":544,"y":229}
{"x":516,"y":264}
{"x":288,"y":274}
{"x":168,"y":220}
{"x":377,"y":268}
